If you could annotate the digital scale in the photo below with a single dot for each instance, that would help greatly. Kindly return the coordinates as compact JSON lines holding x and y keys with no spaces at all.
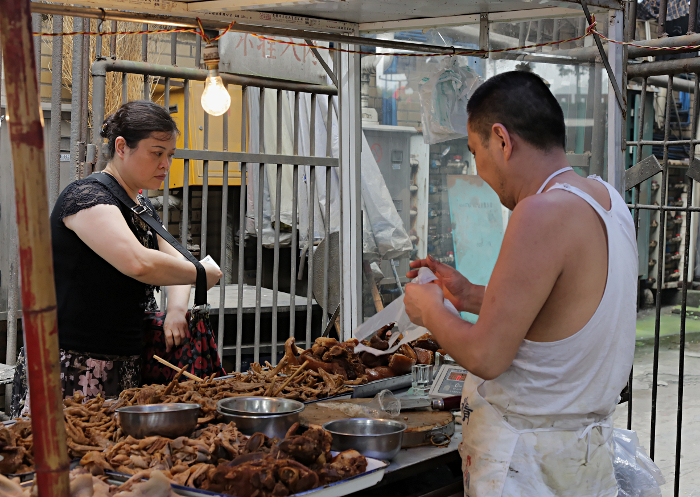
{"x":449,"y":381}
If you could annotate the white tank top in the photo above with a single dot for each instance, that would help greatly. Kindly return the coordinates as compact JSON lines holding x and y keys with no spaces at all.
{"x":580,"y":377}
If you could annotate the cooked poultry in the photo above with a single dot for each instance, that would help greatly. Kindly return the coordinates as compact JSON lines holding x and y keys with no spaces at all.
{"x":179,"y":456}
{"x":266,"y":477}
{"x":330,"y":355}
{"x":16,"y":443}
{"x":83,"y":484}
{"x":342,"y":466}
{"x":420,"y":351}
{"x":297,"y":464}
{"x":259,"y":381}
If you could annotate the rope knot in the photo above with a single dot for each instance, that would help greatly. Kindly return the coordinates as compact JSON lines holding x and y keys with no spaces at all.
{"x":591,"y":27}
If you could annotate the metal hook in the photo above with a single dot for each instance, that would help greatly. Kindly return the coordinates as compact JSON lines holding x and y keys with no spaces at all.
{"x":102,"y":20}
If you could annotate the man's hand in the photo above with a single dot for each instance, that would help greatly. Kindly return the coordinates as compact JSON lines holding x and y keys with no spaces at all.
{"x":175,"y":328}
{"x":464,"y":295}
{"x":420,"y":299}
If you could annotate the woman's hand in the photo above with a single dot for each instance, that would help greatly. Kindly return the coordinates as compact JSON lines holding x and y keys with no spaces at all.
{"x":464,"y":295}
{"x":420,"y":299}
{"x":176,"y":328}
{"x":214,"y":274}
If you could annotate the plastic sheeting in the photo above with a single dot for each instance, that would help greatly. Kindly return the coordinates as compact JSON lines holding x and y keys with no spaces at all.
{"x":384,"y":235}
{"x":635,"y":472}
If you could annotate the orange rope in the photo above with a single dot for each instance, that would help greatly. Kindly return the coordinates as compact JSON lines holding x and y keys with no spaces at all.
{"x":199,"y":32}
{"x":590,"y":29}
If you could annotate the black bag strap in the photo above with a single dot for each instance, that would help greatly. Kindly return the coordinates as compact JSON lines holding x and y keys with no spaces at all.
{"x":200,"y":292}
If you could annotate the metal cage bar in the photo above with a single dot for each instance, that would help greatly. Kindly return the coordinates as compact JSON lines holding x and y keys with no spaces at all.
{"x":224,"y":230}
{"x":310,"y":235}
{"x":659,"y":278}
{"x":327,"y":214}
{"x":205,"y":191}
{"x":278,"y":222}
{"x":295,"y":237}
{"x":259,"y":218}
{"x":184,"y":230}
{"x":684,"y":294}
{"x":241,"y":225}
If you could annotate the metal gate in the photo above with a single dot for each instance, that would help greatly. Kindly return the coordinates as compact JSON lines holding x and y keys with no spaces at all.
{"x":86,"y":158}
{"x":661,"y":188}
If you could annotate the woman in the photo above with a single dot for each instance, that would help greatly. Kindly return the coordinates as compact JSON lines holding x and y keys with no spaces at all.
{"x":107,"y":263}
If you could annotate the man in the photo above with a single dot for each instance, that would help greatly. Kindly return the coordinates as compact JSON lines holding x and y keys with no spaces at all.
{"x":554,"y":343}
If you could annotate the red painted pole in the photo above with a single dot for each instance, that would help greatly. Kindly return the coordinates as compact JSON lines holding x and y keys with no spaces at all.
{"x":38,"y":290}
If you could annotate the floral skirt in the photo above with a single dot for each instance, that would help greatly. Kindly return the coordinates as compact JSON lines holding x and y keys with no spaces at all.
{"x":88,"y":374}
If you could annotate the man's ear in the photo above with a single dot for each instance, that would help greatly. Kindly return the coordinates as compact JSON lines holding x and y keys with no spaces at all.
{"x":500,"y":135}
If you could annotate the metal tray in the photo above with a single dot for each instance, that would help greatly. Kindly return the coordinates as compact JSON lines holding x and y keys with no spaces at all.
{"x":364,"y":391}
{"x":372,"y":476}
{"x":374,"y":387}
{"x":438,"y":436}
{"x":27,"y":477}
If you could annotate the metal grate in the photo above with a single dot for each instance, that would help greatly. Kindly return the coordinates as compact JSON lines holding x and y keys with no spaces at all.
{"x":247,"y":162}
{"x":634,"y":178}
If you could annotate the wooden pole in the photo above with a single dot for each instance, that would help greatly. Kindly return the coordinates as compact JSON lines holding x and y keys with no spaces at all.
{"x":34,"y":234}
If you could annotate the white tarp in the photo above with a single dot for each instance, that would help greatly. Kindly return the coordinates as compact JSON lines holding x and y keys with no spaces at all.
{"x":384,"y":230}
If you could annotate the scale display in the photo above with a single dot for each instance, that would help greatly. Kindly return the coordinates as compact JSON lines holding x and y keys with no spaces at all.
{"x":448,"y":381}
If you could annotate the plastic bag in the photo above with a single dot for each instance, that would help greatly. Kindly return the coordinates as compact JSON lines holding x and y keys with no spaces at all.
{"x":443,"y":97}
{"x":384,"y":405}
{"x":396,"y":313}
{"x":636,"y":473}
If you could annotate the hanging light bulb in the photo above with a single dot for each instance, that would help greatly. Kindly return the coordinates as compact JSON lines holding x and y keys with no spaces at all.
{"x":215,"y":99}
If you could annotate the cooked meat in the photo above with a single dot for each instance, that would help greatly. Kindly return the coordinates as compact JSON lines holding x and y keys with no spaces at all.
{"x":400,"y":364}
{"x":424,"y":356}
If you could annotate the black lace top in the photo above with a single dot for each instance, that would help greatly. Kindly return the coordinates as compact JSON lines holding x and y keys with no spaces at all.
{"x":100,"y":310}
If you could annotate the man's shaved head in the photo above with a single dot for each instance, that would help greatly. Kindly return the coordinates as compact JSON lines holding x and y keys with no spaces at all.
{"x":522,"y":103}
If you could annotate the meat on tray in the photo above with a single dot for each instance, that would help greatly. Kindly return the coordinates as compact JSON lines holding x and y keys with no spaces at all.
{"x":274,"y":469}
{"x":221,"y":459}
{"x":329,"y":355}
{"x":16,"y":456}
{"x":83,"y":484}
{"x":378,"y":367}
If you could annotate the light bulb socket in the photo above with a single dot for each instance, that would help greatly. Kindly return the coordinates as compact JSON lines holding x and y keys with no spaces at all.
{"x":210,"y":55}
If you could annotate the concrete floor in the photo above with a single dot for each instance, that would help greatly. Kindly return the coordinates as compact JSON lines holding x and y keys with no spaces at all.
{"x":667,"y":399}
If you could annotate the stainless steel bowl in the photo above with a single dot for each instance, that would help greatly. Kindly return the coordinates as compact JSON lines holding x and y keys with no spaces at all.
{"x":167,"y":420}
{"x":377,"y":438}
{"x":268,"y":415}
{"x":255,"y":406}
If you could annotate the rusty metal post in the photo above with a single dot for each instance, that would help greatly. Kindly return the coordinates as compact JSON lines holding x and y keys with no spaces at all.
{"x":56,"y":114}
{"x":34,"y":233}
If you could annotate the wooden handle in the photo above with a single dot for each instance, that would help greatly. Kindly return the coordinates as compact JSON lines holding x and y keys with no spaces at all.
{"x":299,"y":370}
{"x":173,"y":366}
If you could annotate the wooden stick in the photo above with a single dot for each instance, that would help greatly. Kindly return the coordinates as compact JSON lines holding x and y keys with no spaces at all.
{"x":174,"y":381}
{"x":279,"y":366}
{"x":290,"y":378}
{"x":173,"y":366}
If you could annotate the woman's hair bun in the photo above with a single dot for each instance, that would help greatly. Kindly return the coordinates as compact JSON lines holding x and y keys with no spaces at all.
{"x":104,"y":132}
{"x":135,"y":121}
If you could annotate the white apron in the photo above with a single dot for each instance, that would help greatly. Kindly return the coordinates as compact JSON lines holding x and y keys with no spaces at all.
{"x":560,"y":455}
{"x":499,"y":460}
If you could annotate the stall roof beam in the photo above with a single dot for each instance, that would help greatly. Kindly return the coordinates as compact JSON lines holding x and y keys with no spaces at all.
{"x":373,"y":11}
{"x":664,"y":68}
{"x":101,"y":67}
{"x":112,"y":15}
{"x":496,"y":17}
{"x":346,"y":16}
